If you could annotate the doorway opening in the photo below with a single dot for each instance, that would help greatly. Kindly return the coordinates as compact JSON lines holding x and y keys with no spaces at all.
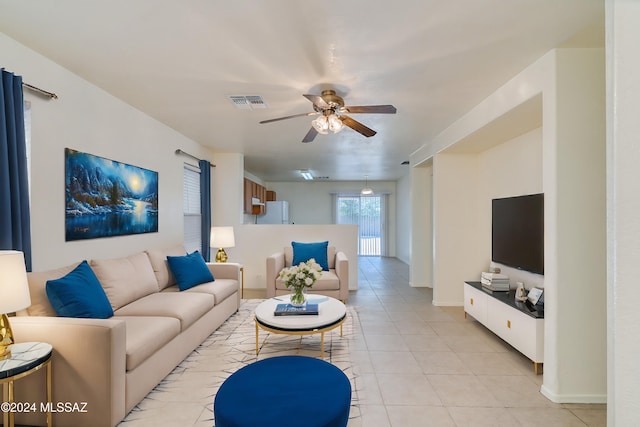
{"x":369,"y":213}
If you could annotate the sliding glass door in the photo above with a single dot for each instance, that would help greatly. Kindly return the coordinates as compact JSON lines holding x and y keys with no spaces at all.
{"x":369,"y":213}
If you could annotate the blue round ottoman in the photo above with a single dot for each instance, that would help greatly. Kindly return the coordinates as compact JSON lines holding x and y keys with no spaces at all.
{"x":284,"y":391}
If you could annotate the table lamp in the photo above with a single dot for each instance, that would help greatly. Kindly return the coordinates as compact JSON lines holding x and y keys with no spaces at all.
{"x":222,"y":237}
{"x":14,"y":295}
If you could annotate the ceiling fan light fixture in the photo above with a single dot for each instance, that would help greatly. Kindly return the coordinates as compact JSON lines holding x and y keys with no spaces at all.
{"x":321,"y":124}
{"x":335,"y":124}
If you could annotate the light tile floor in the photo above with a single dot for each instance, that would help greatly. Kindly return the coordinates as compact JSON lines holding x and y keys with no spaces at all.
{"x":420,"y":365}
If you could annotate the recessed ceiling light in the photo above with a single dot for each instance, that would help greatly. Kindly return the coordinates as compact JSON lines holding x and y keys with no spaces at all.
{"x":306,"y":174}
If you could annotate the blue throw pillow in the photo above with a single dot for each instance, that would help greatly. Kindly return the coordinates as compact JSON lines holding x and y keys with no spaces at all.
{"x":189,"y":270}
{"x":303,"y":252}
{"x":79,"y":294}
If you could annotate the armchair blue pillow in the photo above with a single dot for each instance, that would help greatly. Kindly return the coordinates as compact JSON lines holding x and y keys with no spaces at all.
{"x":79,"y":294}
{"x":190,"y":270}
{"x":303,"y":252}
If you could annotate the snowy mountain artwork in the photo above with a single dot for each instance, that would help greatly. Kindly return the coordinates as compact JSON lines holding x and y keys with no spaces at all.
{"x":105,"y":198}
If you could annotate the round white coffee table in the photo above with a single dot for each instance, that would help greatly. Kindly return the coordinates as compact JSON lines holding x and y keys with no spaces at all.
{"x":331,"y":314}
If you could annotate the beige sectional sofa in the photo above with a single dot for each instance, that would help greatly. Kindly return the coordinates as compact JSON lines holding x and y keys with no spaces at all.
{"x":112,"y":364}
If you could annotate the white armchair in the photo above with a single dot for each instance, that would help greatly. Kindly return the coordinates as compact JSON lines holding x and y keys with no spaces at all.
{"x":333,"y":283}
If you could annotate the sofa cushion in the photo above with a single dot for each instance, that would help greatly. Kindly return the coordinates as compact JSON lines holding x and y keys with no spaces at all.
{"x":79,"y":294}
{"x":184,"y":306}
{"x":146,"y":335}
{"x":190,"y":270}
{"x":158,"y":259}
{"x":40,"y":305}
{"x":221,"y":289}
{"x":303,"y":252}
{"x":331,"y":256}
{"x":125,"y":279}
{"x":327,"y":282}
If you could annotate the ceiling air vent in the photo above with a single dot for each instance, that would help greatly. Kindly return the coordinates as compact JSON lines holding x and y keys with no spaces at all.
{"x":247,"y":102}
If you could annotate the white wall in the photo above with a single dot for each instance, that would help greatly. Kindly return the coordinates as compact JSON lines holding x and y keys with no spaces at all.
{"x":227,"y":189}
{"x":403,"y":217}
{"x":255,"y":242}
{"x":457,"y":251}
{"x":623,"y":205}
{"x":421,"y":261}
{"x":88,"y":119}
{"x":575,"y":221}
{"x":513,"y":168}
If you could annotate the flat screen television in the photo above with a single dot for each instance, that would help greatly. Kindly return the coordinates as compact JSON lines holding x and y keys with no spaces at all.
{"x":517,"y":232}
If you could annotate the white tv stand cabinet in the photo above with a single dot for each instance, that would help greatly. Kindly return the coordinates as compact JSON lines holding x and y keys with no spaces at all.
{"x":509,"y":319}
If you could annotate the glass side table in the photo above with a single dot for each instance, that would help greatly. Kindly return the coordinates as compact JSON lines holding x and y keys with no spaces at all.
{"x":26,"y":358}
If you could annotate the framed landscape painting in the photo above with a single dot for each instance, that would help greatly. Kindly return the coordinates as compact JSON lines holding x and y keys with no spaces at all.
{"x":105,"y":198}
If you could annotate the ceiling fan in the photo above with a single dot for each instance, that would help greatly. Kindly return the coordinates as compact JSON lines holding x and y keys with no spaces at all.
{"x":332,"y":111}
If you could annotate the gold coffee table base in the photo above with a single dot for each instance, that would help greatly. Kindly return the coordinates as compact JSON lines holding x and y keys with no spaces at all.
{"x":300,"y":332}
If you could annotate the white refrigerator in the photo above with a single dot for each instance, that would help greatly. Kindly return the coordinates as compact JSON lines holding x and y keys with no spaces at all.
{"x":276,"y":213}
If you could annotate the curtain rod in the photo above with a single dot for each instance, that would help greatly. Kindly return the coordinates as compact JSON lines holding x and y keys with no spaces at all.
{"x":40,"y":91}
{"x":179,"y":151}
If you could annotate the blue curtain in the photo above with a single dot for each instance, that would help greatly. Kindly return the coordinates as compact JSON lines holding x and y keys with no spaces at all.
{"x":15,"y":229}
{"x":205,"y":206}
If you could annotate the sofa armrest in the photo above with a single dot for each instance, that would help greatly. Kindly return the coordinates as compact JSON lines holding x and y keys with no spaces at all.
{"x":227,"y":270}
{"x":275,"y":264}
{"x":342,"y":271}
{"x":88,"y":365}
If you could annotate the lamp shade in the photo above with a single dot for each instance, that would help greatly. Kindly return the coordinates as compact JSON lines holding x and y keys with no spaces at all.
{"x":366,"y":190}
{"x":222,"y":237}
{"x":14,"y":287}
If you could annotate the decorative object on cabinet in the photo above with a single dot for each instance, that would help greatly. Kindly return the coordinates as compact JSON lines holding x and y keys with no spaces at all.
{"x":222,"y":237}
{"x":107,"y":198}
{"x":521,"y":292}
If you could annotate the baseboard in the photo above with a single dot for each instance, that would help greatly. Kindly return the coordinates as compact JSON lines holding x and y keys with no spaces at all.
{"x":448,"y":303}
{"x":420,"y":285}
{"x":573,"y":398}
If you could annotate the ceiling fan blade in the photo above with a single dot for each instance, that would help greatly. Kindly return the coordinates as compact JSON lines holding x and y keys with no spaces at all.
{"x":313,"y":113}
{"x":309,"y":137}
{"x":317,"y":101}
{"x":357,"y":126}
{"x":379,"y":109}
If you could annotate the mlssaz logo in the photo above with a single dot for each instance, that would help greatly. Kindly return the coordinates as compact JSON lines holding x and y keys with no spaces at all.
{"x":54,"y":407}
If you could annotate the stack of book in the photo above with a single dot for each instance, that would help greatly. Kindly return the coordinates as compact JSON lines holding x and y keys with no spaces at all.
{"x":290,"y":310}
{"x":495,"y":281}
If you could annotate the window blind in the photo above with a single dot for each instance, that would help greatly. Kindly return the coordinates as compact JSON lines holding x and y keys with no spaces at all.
{"x":191,"y":208}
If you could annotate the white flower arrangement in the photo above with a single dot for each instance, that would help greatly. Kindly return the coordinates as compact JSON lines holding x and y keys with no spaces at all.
{"x":303,"y":275}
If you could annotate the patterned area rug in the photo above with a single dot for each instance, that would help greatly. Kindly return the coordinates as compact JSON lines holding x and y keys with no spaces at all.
{"x":185,"y":397}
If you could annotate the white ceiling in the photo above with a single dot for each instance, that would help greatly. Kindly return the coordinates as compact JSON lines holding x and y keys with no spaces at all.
{"x":178,"y":61}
